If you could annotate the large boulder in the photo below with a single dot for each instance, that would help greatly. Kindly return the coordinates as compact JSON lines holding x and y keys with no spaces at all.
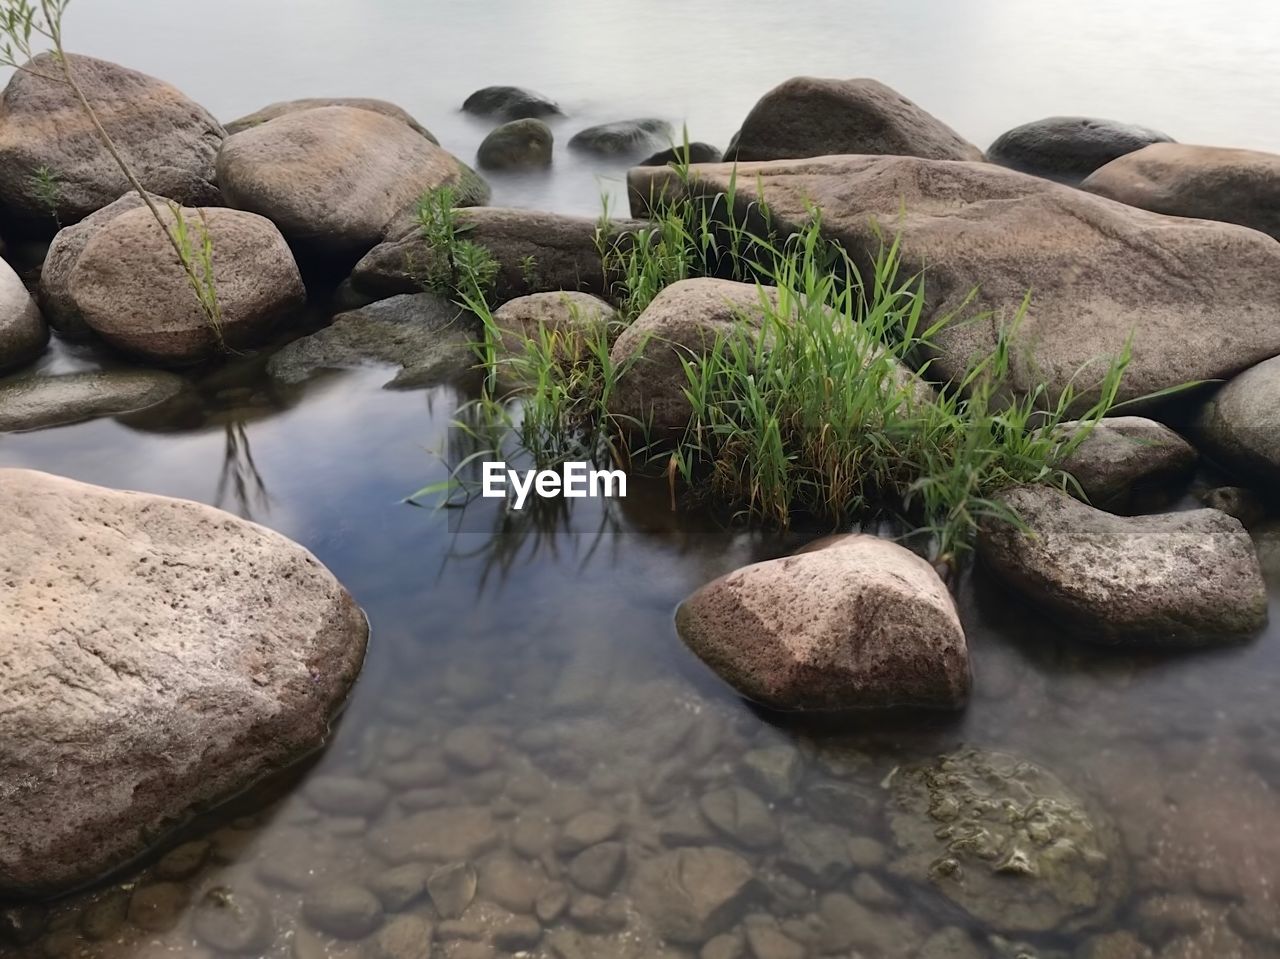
{"x":518,"y":145}
{"x":333,"y":178}
{"x":129,"y":288}
{"x":39,"y":401}
{"x":1069,"y":148}
{"x":1212,"y":183}
{"x":23,"y":332}
{"x":693,"y":893}
{"x":536,"y":253}
{"x":568,"y":319}
{"x":1122,"y":453}
{"x":1173,"y":579}
{"x":623,"y":137}
{"x":856,"y":622}
{"x":813,"y":116}
{"x":1098,"y":272}
{"x":1240,"y":425}
{"x":426,"y":337}
{"x":273,"y":110}
{"x":160,"y":656}
{"x":168,"y":141}
{"x":510,"y":103}
{"x":1007,"y":841}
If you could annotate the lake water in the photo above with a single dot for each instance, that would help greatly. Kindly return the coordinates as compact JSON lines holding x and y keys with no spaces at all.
{"x":532,"y":676}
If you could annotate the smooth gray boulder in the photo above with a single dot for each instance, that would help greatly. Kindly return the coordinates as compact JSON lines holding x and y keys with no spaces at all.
{"x":1173,"y":579}
{"x":168,"y":140}
{"x":815,"y":116}
{"x":1098,"y":272}
{"x":41,"y":400}
{"x":510,"y":103}
{"x":855,"y":622}
{"x":1239,"y":426}
{"x":163,"y":657}
{"x":273,"y":110}
{"x":428,"y":338}
{"x":23,"y":332}
{"x":1123,"y":452}
{"x":518,"y":145}
{"x":1068,"y":149}
{"x":623,"y":137}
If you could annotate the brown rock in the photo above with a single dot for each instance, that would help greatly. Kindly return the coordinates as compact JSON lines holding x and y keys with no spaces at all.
{"x":23,"y":333}
{"x":273,"y":110}
{"x":692,"y":894}
{"x":570,"y":318}
{"x":1240,"y":425}
{"x":858,"y":623}
{"x":168,"y":141}
{"x":1122,"y":452}
{"x":129,"y":288}
{"x":812,"y":116}
{"x":194,"y":651}
{"x":1210,"y":183}
{"x":437,"y":835}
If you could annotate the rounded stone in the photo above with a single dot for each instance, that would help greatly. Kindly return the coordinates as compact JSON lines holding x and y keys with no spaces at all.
{"x":40,"y":401}
{"x":518,"y":145}
{"x":343,"y":909}
{"x":623,"y":137}
{"x":233,"y":922}
{"x":1069,"y":148}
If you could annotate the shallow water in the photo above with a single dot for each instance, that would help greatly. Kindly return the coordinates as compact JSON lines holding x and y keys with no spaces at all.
{"x":555,"y":653}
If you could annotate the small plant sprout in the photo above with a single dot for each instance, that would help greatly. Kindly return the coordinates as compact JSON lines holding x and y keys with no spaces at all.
{"x":46,"y":185}
{"x":24,"y":26}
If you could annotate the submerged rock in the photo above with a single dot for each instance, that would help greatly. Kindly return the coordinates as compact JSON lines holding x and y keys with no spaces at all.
{"x":510,"y":103}
{"x":333,"y":178}
{"x":425,"y":335}
{"x":273,"y":110}
{"x":1240,"y":425}
{"x":623,"y":137}
{"x":1099,"y":272}
{"x":1123,"y":452}
{"x":23,"y":333}
{"x":1069,"y":148}
{"x":169,"y":655}
{"x":1212,"y":183}
{"x":1175,"y":579}
{"x":39,"y":401}
{"x":695,"y":152}
{"x":1007,"y":841}
{"x":518,"y":145}
{"x":128,"y":288}
{"x":857,"y":623}
{"x":692,"y":894}
{"x":169,"y":141}
{"x":813,"y":116}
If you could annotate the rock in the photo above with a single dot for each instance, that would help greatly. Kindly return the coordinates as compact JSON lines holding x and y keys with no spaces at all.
{"x":1176,"y":579}
{"x":518,"y":145}
{"x":184,"y":861}
{"x":692,"y":894}
{"x":129,"y":289}
{"x":23,"y":333}
{"x":423,"y":334}
{"x":1210,"y":183}
{"x":400,"y":886}
{"x":586,"y":829}
{"x":39,"y":401}
{"x":1068,"y":149}
{"x":1099,"y":272}
{"x":1237,"y":501}
{"x":593,"y":914}
{"x":274,"y":110}
{"x":623,"y":137}
{"x":1114,"y":945}
{"x":812,"y":116}
{"x":1240,"y":424}
{"x":741,"y":815}
{"x":168,"y":141}
{"x":404,"y":937}
{"x":157,"y":907}
{"x":774,"y":771}
{"x":727,"y":945}
{"x":768,"y":942}
{"x":510,"y":103}
{"x":858,"y":623}
{"x":452,"y":888}
{"x":347,"y":795}
{"x":870,"y":891}
{"x":216,"y":652}
{"x":536,"y":253}
{"x":333,"y":178}
{"x":866,"y":853}
{"x":570,"y":319}
{"x":343,"y":909}
{"x":815,"y":853}
{"x":951,"y":942}
{"x":56,"y":302}
{"x":680,"y":154}
{"x":105,"y":917}
{"x":516,"y":934}
{"x":232,"y":922}
{"x":471,"y":748}
{"x":598,"y":868}
{"x":850,"y":927}
{"x":1005,"y":840}
{"x":1123,"y":452}
{"x":551,"y":903}
{"x":513,"y":883}
{"x":438,"y":835}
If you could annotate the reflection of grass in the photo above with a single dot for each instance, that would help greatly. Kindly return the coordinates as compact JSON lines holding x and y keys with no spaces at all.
{"x":240,"y":479}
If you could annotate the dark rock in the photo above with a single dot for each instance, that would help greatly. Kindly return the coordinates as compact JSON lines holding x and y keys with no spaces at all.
{"x":696,"y":152}
{"x":452,"y":888}
{"x":404,"y":937}
{"x":1069,"y":148}
{"x":1236,"y":501}
{"x":1124,"y":452}
{"x":623,"y":138}
{"x":158,"y":907}
{"x":39,"y":401}
{"x":401,"y":886}
{"x":586,"y":829}
{"x":184,"y":861}
{"x":598,"y":868}
{"x":518,"y":145}
{"x":510,"y":103}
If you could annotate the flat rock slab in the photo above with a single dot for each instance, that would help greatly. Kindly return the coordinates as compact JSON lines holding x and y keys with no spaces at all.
{"x":37,"y":402}
{"x":157,"y":657}
{"x":1198,"y":298}
{"x":1174,"y":579}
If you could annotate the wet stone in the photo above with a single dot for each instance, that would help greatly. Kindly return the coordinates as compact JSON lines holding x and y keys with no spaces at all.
{"x":597,"y":869}
{"x":105,"y":918}
{"x":593,"y":914}
{"x":347,"y":795}
{"x":532,"y":836}
{"x":768,"y":942}
{"x":867,"y":853}
{"x":871,"y":891}
{"x":414,"y":774}
{"x":586,"y":829}
{"x":469,"y":950}
{"x":471,"y":748}
{"x":773,"y":771}
{"x":846,"y":804}
{"x":343,"y":909}
{"x":452,"y":888}
{"x":512,"y":883}
{"x":400,"y":886}
{"x":551,"y":903}
{"x":183,"y":862}
{"x":1115,"y":945}
{"x":849,"y":925}
{"x":232,"y":921}
{"x":404,"y":937}
{"x":727,"y":945}
{"x":289,"y":865}
{"x":22,"y":924}
{"x":692,"y":894}
{"x":741,"y":815}
{"x":441,"y":835}
{"x":685,"y":826}
{"x":950,"y":943}
{"x":517,"y":933}
{"x":157,"y":907}
{"x":814,"y":852}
